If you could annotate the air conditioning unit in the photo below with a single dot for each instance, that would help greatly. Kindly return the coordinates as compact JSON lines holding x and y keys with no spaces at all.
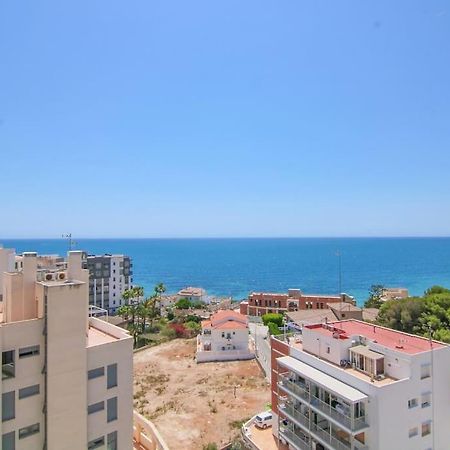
{"x":49,"y":276}
{"x":61,"y":275}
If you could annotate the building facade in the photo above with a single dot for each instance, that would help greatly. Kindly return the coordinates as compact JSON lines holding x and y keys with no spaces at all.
{"x":109,"y":277}
{"x":66,"y":378}
{"x":224,"y":337}
{"x":351,"y":385}
{"x":260,"y":303}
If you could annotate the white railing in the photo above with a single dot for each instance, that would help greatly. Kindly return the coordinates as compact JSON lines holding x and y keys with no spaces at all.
{"x":146,"y":435}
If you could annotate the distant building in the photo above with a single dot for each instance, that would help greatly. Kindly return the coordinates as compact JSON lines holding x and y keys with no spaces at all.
{"x":109,"y":277}
{"x":394,"y":293}
{"x":67,"y":380}
{"x":260,"y":303}
{"x":333,"y":312}
{"x":224,"y":337}
{"x":352,"y":385}
{"x":193,"y":294}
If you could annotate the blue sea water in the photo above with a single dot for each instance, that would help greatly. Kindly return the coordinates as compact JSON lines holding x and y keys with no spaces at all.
{"x":238,"y":266}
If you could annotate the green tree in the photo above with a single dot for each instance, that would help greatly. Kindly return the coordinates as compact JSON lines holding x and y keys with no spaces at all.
{"x":375,"y":294}
{"x":183,"y":303}
{"x":273,"y":328}
{"x":274,"y":318}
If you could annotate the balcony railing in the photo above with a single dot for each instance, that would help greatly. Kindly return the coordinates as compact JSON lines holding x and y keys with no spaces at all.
{"x":8,"y":371}
{"x":328,"y":437}
{"x":295,"y":439}
{"x":323,"y":407}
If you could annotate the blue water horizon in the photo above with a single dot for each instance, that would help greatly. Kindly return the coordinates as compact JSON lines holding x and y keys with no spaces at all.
{"x":236,"y":266}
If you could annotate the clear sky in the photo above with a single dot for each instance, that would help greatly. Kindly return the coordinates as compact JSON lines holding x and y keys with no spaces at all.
{"x":224,"y":118}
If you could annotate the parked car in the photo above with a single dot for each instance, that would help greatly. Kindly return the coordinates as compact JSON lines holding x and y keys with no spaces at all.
{"x":263,"y":420}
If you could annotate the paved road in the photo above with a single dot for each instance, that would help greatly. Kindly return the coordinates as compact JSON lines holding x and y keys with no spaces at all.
{"x":259,"y":334}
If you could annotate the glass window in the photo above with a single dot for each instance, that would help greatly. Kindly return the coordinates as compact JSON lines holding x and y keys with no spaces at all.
{"x":425,"y":371}
{"x":8,"y":406}
{"x":112,"y":409}
{"x":29,"y":351}
{"x":426,"y":428}
{"x":413,"y":432}
{"x":8,"y":368}
{"x":9,"y":441}
{"x":28,"y":431}
{"x":112,"y":376}
{"x":95,"y":407}
{"x":95,"y":373}
{"x":426,"y":400}
{"x":412,"y":403}
{"x":96,"y":443}
{"x":111,"y":441}
{"x":28,"y":391}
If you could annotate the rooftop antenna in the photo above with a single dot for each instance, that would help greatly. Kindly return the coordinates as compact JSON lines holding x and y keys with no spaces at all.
{"x":70,"y":242}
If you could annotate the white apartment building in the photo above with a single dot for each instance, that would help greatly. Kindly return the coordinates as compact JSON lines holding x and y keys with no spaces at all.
{"x":66,"y":378}
{"x":109,"y":277}
{"x":351,"y":385}
{"x":224,"y":337}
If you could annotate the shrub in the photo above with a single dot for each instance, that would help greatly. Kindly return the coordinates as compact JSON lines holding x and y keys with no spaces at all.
{"x":273,"y":328}
{"x":179,"y":328}
{"x":170,"y":315}
{"x":183,"y":303}
{"x":169,"y":333}
{"x":274,"y":318}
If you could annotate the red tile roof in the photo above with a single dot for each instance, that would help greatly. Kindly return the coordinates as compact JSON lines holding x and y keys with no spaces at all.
{"x":226,"y":319}
{"x":393,"y":339}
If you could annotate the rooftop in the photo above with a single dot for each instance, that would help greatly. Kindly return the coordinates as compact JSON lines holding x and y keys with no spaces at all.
{"x":97,"y":337}
{"x":393,"y":339}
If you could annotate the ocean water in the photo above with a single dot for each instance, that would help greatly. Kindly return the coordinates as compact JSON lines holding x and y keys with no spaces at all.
{"x":238,"y":266}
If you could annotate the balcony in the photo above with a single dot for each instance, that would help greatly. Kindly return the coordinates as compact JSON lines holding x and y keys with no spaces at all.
{"x":294,"y":439}
{"x":8,"y":371}
{"x":336,"y":412}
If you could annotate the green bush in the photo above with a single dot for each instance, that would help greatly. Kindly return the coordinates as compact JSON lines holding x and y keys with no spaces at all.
{"x":169,"y":333}
{"x":273,"y":328}
{"x":274,"y":318}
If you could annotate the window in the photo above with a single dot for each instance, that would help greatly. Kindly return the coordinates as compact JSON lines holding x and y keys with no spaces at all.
{"x":425,"y":371}
{"x":111,"y":409}
{"x":413,"y":432}
{"x":223,"y":335}
{"x":28,"y":431}
{"x":426,"y":428}
{"x":8,"y":368}
{"x":426,"y":400}
{"x":112,"y":376}
{"x":8,"y":406}
{"x":96,"y":443}
{"x":328,"y":349}
{"x":111,"y":441}
{"x":9,"y":441}
{"x":95,"y":373}
{"x":412,"y":403}
{"x":28,"y":391}
{"x":29,"y":351}
{"x":96,"y":407}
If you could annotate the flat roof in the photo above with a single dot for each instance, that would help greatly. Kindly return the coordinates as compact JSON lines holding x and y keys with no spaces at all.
{"x":332,"y":384}
{"x":393,"y":339}
{"x":97,"y":337}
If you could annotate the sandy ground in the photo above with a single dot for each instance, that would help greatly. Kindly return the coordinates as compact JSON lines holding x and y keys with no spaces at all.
{"x":193,"y":404}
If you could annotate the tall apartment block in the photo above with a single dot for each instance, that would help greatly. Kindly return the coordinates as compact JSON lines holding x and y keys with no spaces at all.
{"x":351,"y":385}
{"x":260,"y":303}
{"x":109,"y":277}
{"x":66,"y":378}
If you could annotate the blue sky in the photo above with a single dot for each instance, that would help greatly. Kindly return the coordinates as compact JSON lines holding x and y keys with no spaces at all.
{"x":224,"y":118}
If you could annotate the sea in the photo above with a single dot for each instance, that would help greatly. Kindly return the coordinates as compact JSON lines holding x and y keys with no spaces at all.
{"x":235,"y":267}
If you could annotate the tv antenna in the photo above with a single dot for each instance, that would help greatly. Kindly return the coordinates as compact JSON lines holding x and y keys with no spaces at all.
{"x":70,"y":242}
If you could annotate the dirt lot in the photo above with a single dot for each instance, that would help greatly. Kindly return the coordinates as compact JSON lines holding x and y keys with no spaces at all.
{"x":193,"y":404}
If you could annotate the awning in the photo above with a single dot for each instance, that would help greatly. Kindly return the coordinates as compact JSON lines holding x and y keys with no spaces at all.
{"x":365,"y":351}
{"x":326,"y":381}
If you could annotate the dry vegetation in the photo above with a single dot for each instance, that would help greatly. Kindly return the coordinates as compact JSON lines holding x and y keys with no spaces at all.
{"x":194,"y":404}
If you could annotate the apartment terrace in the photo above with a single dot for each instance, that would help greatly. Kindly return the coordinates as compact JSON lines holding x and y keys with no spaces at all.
{"x":101,"y":332}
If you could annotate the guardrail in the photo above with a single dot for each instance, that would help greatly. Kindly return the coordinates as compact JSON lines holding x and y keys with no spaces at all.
{"x":247,"y":436}
{"x":146,"y":435}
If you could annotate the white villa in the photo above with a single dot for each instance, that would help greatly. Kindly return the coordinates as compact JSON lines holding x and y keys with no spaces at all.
{"x":225,"y":337}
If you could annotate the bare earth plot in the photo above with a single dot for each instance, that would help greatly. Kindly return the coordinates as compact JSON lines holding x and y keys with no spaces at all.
{"x":194,"y":404}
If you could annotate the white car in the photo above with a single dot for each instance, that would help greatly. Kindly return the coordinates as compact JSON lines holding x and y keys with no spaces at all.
{"x":263,"y":420}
